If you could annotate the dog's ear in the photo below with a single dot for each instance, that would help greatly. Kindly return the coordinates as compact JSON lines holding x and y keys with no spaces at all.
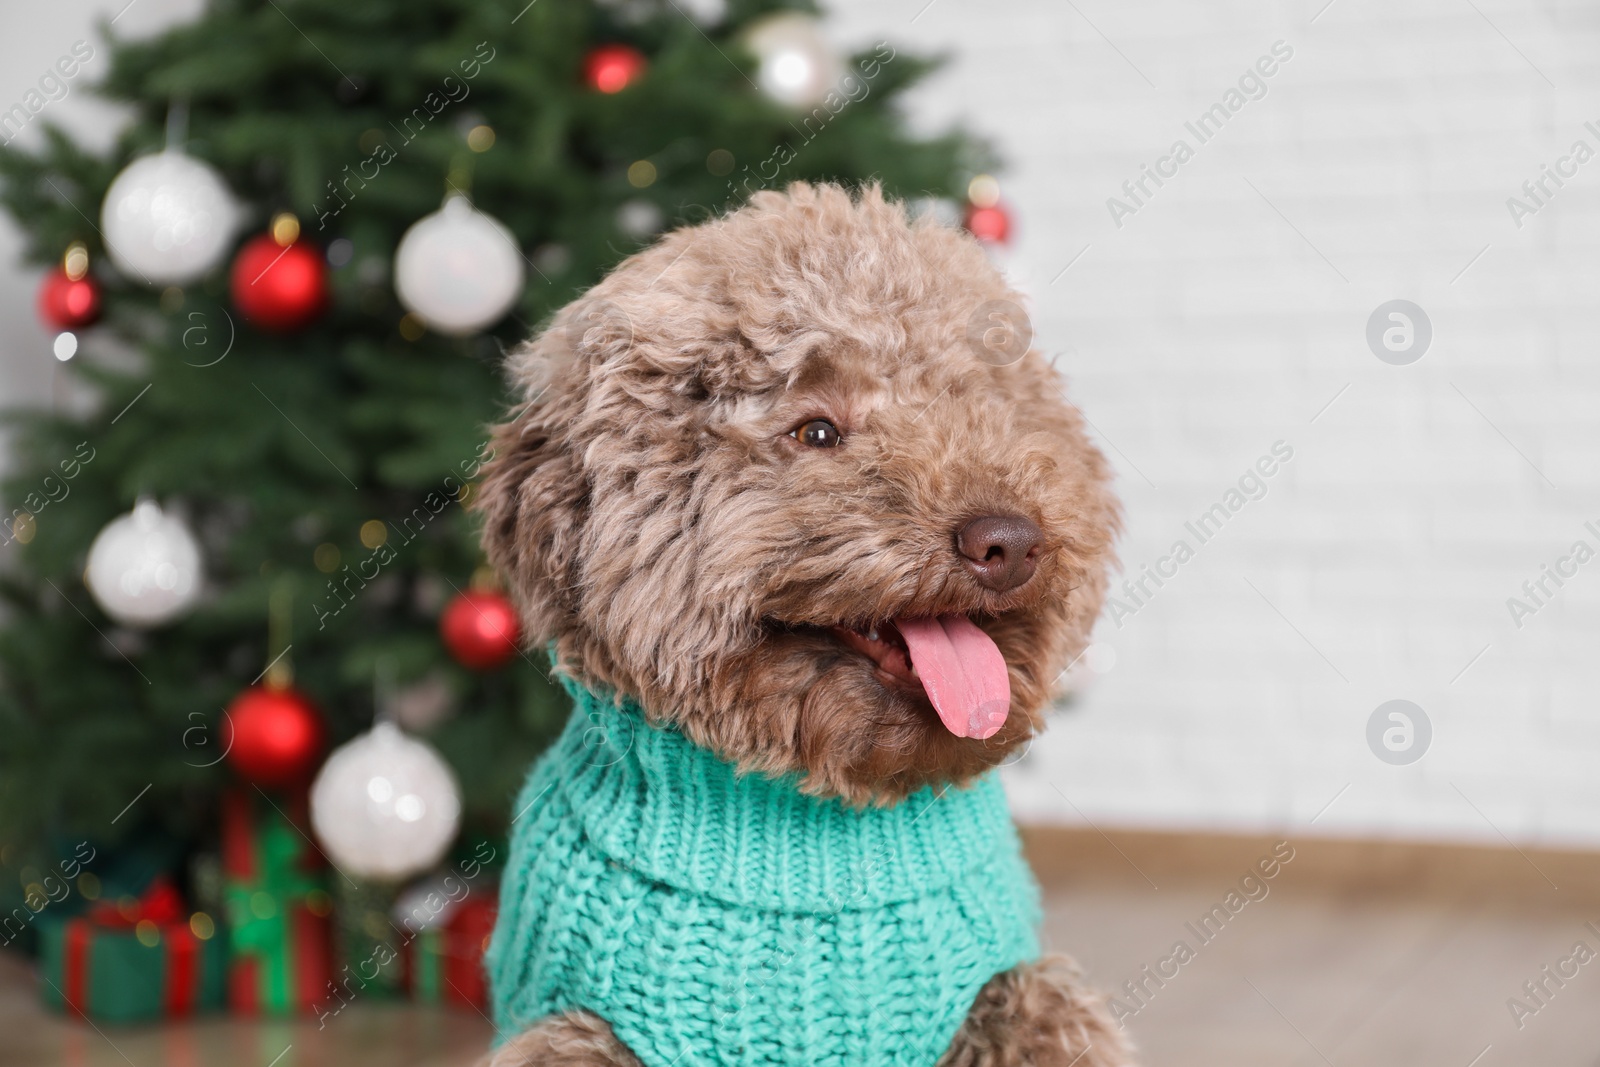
{"x":532,"y":492}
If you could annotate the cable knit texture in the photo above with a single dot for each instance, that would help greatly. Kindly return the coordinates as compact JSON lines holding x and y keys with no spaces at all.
{"x":718,"y":918}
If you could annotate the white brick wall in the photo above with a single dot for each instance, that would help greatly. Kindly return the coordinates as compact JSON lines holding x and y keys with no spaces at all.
{"x":1206,"y":328}
{"x":33,"y":36}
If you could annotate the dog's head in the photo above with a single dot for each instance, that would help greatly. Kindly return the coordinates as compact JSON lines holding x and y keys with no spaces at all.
{"x":793,"y":480}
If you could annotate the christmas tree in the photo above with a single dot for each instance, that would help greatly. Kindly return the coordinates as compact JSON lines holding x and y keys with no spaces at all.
{"x":315,"y":429}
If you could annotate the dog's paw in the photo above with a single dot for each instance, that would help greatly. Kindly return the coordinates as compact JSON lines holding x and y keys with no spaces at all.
{"x":576,"y":1039}
{"x":1039,"y":1015}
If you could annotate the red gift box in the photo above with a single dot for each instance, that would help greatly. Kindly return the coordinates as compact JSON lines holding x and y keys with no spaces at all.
{"x":278,"y":909}
{"x":444,"y":963}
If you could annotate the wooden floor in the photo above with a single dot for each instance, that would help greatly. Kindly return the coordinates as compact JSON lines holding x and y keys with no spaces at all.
{"x":1318,"y":972}
{"x":1304,"y":981}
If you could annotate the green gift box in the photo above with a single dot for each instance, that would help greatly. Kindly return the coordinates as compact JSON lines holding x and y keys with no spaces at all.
{"x":131,"y":964}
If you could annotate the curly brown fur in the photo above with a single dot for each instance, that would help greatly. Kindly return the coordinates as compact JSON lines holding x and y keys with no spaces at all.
{"x":657,"y":521}
{"x":1038,"y":1015}
{"x":576,"y":1039}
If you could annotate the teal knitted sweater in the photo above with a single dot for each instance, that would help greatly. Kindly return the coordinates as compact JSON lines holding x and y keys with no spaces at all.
{"x":714,"y":918}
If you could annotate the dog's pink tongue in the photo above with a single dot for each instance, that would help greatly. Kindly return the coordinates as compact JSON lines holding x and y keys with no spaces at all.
{"x":962,"y":671}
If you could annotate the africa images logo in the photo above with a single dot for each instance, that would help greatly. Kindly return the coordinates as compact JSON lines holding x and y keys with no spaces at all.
{"x":1399,"y":332}
{"x":1399,"y":732}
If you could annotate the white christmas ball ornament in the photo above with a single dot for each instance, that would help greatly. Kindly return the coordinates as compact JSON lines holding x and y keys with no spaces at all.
{"x":167,"y":219}
{"x":458,"y":269}
{"x":798,"y":67}
{"x":385,"y":806}
{"x":144,"y":567}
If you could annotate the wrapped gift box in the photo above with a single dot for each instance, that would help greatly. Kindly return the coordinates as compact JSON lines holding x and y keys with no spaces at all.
{"x":278,"y":911}
{"x":138,"y":961}
{"x":443,"y":964}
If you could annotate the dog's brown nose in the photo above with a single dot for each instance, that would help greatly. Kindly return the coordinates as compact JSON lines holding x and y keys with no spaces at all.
{"x":1000,"y":550}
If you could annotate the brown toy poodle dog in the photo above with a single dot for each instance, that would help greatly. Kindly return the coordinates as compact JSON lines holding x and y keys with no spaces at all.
{"x":788,"y":488}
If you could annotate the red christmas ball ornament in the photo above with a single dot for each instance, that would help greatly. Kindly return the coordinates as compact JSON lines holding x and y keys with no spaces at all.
{"x":990,"y":223}
{"x":611,"y":68}
{"x":67,"y":303}
{"x":68,"y":298}
{"x":279,"y":282}
{"x":480,"y":629}
{"x":272,"y":735}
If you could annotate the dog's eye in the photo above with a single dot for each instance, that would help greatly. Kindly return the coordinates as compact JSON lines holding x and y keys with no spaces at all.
{"x":818,"y":433}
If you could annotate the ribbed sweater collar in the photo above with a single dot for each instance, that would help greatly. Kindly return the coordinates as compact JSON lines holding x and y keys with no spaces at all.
{"x":677,"y":813}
